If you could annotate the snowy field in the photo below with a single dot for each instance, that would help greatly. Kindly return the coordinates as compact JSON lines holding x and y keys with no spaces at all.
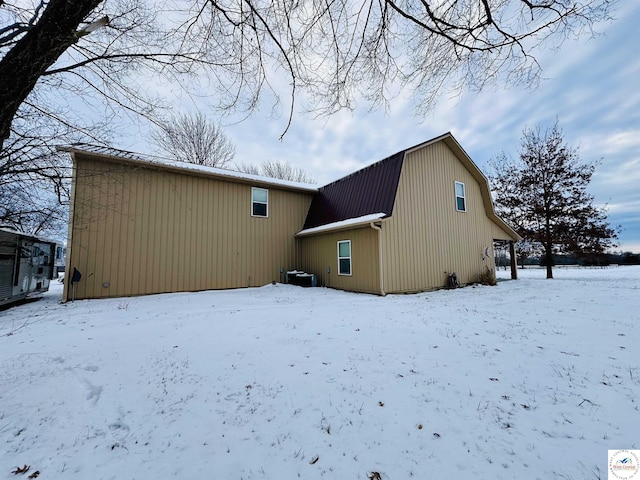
{"x":532,"y":379}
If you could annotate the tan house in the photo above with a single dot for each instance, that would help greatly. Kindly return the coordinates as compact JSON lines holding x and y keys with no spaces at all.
{"x":142,"y":226}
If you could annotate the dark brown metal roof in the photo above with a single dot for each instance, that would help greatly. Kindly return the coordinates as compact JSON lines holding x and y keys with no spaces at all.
{"x":370,"y":190}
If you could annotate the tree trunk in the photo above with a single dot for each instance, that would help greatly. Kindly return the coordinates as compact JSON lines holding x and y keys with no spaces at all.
{"x":35,"y":52}
{"x":549,"y":254}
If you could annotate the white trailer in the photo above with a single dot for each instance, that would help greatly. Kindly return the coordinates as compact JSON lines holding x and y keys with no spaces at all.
{"x":26,"y":265}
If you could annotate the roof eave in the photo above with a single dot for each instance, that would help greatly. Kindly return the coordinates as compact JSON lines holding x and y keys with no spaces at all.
{"x":196,"y":170}
{"x":325,"y":229}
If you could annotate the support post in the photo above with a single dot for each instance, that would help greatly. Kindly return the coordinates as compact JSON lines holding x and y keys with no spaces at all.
{"x":514,"y":262}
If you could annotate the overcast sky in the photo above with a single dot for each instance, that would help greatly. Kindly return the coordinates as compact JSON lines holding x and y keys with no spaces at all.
{"x":591,"y":86}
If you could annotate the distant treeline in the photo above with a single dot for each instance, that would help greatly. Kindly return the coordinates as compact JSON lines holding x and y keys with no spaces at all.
{"x":600,"y":260}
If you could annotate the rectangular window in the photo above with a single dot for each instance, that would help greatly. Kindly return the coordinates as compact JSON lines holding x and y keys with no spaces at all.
{"x":461,"y":201}
{"x":259,"y":202}
{"x":344,"y":257}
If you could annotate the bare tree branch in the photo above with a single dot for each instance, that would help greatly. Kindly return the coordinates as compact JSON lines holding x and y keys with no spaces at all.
{"x":194,"y":139}
{"x":331,"y":53}
{"x":277,"y":169}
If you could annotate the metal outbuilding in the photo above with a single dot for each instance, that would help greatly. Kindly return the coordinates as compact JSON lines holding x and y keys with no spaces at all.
{"x":140,"y":225}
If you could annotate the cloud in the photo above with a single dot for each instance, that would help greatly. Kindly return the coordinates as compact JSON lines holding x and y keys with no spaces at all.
{"x":590,"y":86}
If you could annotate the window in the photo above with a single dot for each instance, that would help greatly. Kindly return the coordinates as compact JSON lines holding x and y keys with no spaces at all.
{"x":344,"y":257}
{"x":259,"y":202}
{"x":461,"y":202}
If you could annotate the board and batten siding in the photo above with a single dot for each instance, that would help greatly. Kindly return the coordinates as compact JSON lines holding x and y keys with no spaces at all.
{"x":140,"y":230}
{"x":320,"y":252}
{"x":426,"y":237}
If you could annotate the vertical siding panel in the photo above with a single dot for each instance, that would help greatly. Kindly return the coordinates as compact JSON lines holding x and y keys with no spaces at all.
{"x":98,"y":271}
{"x":157,"y":271}
{"x":138,"y":235}
{"x":198,"y":283}
{"x":230,"y":252}
{"x":213,"y":240}
{"x":214,"y":237}
{"x":189,"y":232}
{"x":149,"y":248}
{"x":149,"y":231}
{"x":204,"y":239}
{"x":113,"y":235}
{"x":224,"y":255}
{"x":209,"y":233}
{"x":131,"y":183}
{"x":180,"y":234}
{"x":121,"y":236}
{"x":77,"y":250}
{"x":160,"y":272}
{"x":320,"y":252}
{"x":147,"y":225}
{"x":160,"y":265}
{"x":196,"y":236}
{"x":173,"y":228}
{"x":141,"y":218}
{"x":231,"y":277}
{"x":434,"y":237}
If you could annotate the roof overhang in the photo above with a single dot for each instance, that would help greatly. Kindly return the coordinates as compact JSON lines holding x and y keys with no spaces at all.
{"x":27,"y":236}
{"x":129,"y":158}
{"x":349,"y":224}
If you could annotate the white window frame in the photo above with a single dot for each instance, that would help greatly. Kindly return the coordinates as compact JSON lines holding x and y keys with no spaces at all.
{"x":345,"y":258}
{"x":463,"y":197}
{"x":253,"y":202}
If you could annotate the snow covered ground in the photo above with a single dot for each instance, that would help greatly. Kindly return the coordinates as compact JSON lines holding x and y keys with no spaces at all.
{"x":532,"y":379}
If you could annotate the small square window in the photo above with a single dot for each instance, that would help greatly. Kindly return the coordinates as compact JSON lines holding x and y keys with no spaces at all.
{"x":461,"y":201}
{"x":259,"y":202}
{"x":344,"y":257}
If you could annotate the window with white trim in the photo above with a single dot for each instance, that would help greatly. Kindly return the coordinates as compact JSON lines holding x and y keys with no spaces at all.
{"x":344,"y":257}
{"x":461,"y":200}
{"x":259,"y":202}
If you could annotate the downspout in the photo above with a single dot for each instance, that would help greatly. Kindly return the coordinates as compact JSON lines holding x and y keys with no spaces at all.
{"x":380,"y":258}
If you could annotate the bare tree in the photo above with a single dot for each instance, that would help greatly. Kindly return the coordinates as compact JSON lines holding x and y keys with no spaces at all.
{"x":194,"y":139}
{"x":543,"y":194}
{"x":59,"y":53}
{"x":33,"y":210}
{"x":247,"y":168}
{"x":335,"y":51}
{"x":34,"y":177}
{"x":278,"y":169}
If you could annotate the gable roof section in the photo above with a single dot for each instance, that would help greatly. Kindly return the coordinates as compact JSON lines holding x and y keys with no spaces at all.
{"x":371,"y":190}
{"x":476,"y":173}
{"x":113,"y":155}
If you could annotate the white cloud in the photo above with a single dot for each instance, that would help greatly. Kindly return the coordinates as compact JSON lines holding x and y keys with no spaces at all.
{"x":590,"y":86}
